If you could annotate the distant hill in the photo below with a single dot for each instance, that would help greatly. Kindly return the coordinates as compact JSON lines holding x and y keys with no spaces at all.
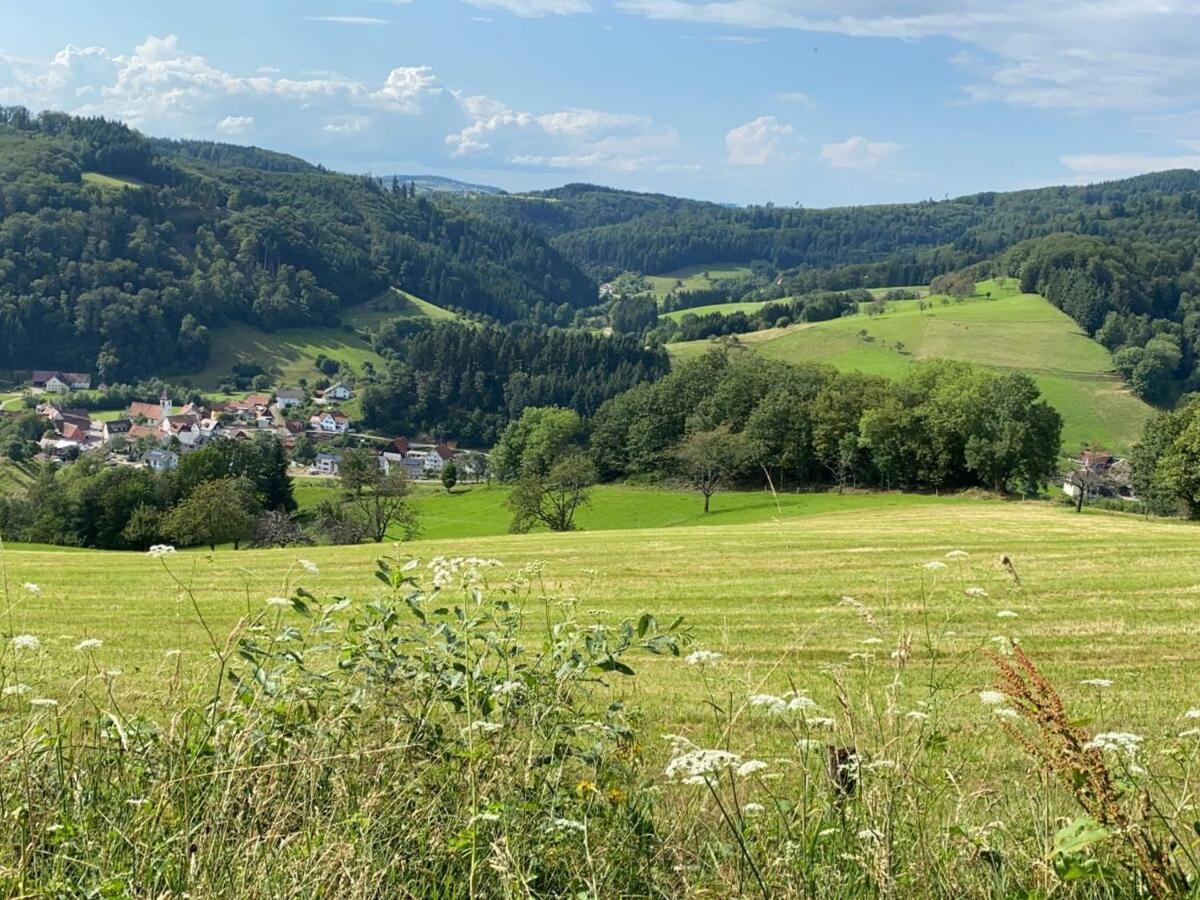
{"x":1008,"y":330}
{"x":96,"y":276}
{"x":436,"y":184}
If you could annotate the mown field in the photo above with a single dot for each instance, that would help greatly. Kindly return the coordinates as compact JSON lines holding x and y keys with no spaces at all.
{"x":694,"y":278}
{"x":1100,"y":596}
{"x":1010,"y":330}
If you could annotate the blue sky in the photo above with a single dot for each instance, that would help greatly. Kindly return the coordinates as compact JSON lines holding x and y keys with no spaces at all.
{"x":790,"y":101}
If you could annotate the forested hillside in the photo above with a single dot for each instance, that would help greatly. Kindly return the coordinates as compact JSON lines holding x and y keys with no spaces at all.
{"x":124,"y":274}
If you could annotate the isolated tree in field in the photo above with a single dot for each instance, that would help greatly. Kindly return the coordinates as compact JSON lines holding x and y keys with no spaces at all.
{"x":704,"y":459}
{"x":535,"y":442}
{"x":552,"y":499}
{"x":449,"y":476}
{"x":1086,"y":475}
{"x":379,"y":499}
{"x":222,"y":511}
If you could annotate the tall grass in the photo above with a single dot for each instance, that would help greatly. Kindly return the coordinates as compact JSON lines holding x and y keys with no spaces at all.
{"x":457,"y":736}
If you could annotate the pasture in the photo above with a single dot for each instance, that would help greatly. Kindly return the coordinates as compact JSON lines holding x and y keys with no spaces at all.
{"x":694,"y":278}
{"x":1100,"y":596}
{"x":1010,"y":330}
{"x":110,"y":182}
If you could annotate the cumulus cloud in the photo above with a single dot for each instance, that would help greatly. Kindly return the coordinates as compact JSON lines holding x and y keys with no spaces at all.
{"x":1059,"y":54}
{"x":534,"y":9}
{"x":231,"y":125}
{"x":858,"y":153}
{"x":412,"y":114}
{"x":762,"y":142}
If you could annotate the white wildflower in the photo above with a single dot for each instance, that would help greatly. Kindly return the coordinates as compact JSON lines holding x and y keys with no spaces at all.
{"x":486,"y":817}
{"x":807,"y":745}
{"x":749,"y":767}
{"x":112,"y":673}
{"x":158,"y":551}
{"x":703,"y":658}
{"x":917,"y":716}
{"x":935,"y":565}
{"x":278,"y":601}
{"x":1004,"y":645}
{"x":484,"y":726}
{"x":819,"y":722}
{"x":770,"y":702}
{"x":826,"y":832}
{"x":1006,"y":614}
{"x":15,"y":690}
{"x":870,"y":835}
{"x":1007,"y":712}
{"x":753,"y":809}
{"x":43,"y":703}
{"x":31,"y":588}
{"x":88,"y":644}
{"x":508,"y":688}
{"x":976,"y":593}
{"x":309,"y":566}
{"x":991,"y":698}
{"x":1119,"y":742}
{"x":880,"y":764}
{"x":695,"y":766}
{"x":1192,"y":714}
{"x":26,"y":642}
{"x":957,"y":554}
{"x":1100,"y":683}
{"x":565,"y":825}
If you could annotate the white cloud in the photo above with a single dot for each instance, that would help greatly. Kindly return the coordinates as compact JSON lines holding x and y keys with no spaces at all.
{"x":350,"y":20}
{"x":411,"y":115}
{"x":1105,"y":166}
{"x":1061,"y":54}
{"x":231,"y":125}
{"x":762,"y":142}
{"x":533,"y":9}
{"x":858,"y":153}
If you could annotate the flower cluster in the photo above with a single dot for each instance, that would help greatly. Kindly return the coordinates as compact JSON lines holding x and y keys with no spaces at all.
{"x":703,"y":658}
{"x":1121,"y":743}
{"x":467,"y":570}
{"x":158,"y":551}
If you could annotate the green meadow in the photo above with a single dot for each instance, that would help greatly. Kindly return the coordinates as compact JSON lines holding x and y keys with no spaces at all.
{"x":1098,"y":596}
{"x":694,"y":278}
{"x":1009,"y":330}
{"x":110,"y":182}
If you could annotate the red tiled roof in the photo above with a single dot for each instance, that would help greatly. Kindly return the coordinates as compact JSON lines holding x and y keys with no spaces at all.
{"x":145,"y":410}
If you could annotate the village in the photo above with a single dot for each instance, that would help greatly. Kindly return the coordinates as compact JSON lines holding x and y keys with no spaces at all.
{"x":311,"y":426}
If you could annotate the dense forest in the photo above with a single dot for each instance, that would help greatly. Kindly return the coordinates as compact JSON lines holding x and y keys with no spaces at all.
{"x":466,"y":382}
{"x":127,"y":281}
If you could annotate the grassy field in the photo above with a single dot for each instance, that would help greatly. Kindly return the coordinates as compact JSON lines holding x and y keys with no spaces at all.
{"x":14,"y":477}
{"x":110,"y":181}
{"x":694,"y":278}
{"x":479,"y":510}
{"x":1010,"y":331}
{"x":1101,"y":596}
{"x":291,"y":354}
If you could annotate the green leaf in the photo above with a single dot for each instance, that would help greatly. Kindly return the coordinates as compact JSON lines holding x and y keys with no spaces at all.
{"x":1081,"y":833}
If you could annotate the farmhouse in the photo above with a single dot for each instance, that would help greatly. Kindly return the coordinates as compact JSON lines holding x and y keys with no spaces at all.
{"x":331,"y":422}
{"x":115,"y":428}
{"x":337,"y":391}
{"x":289,"y":397}
{"x":61,"y":382}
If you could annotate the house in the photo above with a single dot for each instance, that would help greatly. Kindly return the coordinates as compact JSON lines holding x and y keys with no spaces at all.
{"x":161,"y":460}
{"x":337,"y":391}
{"x":61,"y":382}
{"x":293,"y":427}
{"x":398,"y":446}
{"x":327,"y":464}
{"x":330,"y":422}
{"x":289,"y":397}
{"x":137,"y":432}
{"x":151,"y":413}
{"x":251,"y":409}
{"x":114,"y":429}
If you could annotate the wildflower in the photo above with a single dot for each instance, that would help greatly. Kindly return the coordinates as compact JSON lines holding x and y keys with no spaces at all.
{"x":26,"y":642}
{"x":1105,"y":683}
{"x":484,"y":726}
{"x":158,"y":551}
{"x":703,"y":658}
{"x":1118,"y":742}
{"x":309,"y":567}
{"x":976,"y":593}
{"x":991,"y":698}
{"x":410,"y":565}
{"x":1006,"y":614}
{"x":1192,"y":714}
{"x":278,"y":601}
{"x":565,"y":825}
{"x":826,"y":832}
{"x":880,"y":764}
{"x":31,"y":588}
{"x":1007,"y":712}
{"x":774,"y":705}
{"x":112,"y":673}
{"x":753,"y":809}
{"x":807,"y":745}
{"x":917,"y":716}
{"x":1004,"y":645}
{"x":935,"y":565}
{"x":15,"y":690}
{"x":749,"y":767}
{"x":43,"y":703}
{"x":870,"y":835}
{"x":819,"y":722}
{"x":957,"y":554}
{"x":694,"y":766}
{"x":508,"y":688}
{"x":88,"y":644}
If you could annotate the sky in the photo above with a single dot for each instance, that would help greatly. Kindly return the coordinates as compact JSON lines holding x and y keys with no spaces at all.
{"x":824,"y":103}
